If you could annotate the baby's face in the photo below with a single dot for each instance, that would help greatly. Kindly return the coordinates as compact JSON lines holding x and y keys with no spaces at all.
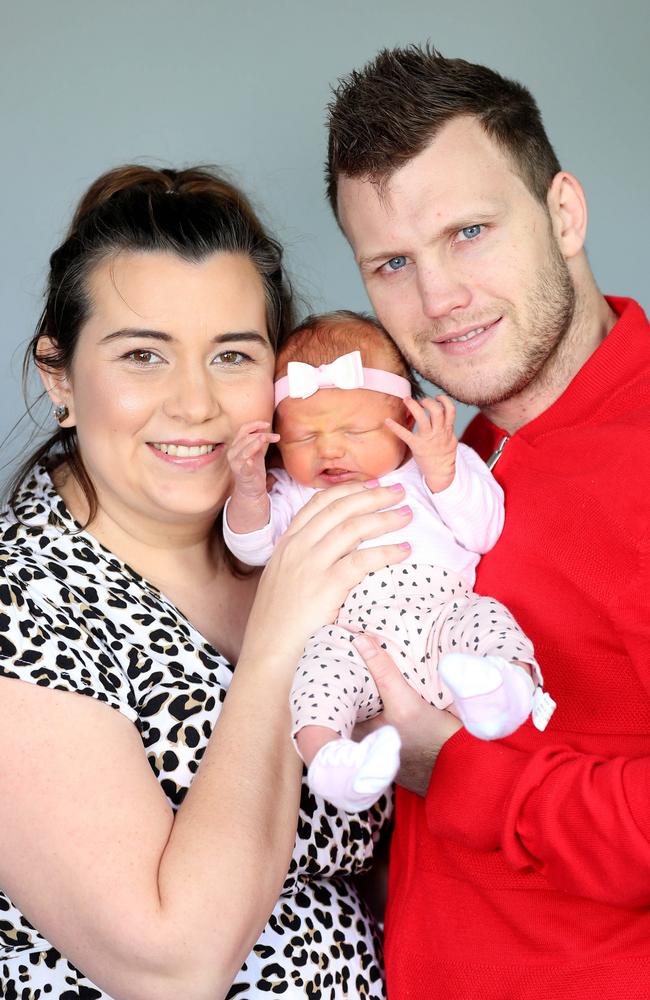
{"x":339,"y":436}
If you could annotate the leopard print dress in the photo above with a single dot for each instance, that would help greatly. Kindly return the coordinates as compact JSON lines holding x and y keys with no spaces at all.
{"x":75,"y":618}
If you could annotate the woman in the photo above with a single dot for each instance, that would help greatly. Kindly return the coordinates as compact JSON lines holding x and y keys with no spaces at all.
{"x":142,"y":846}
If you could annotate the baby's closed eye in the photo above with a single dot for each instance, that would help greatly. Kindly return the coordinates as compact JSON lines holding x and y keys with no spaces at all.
{"x":363,"y":430}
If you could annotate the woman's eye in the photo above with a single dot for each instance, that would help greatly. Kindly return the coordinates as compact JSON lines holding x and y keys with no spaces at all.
{"x":143,"y":357}
{"x":470,"y":232}
{"x":231,"y":358}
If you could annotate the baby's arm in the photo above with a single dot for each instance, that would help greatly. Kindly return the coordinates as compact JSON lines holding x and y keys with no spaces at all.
{"x":249,"y":507}
{"x":472,"y":507}
{"x":253,"y":519}
{"x":463,"y":491}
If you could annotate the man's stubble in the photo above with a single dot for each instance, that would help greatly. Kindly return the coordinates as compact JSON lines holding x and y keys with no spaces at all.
{"x":541,"y":339}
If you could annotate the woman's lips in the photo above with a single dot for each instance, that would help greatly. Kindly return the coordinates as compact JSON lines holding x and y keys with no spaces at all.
{"x":186,"y":455}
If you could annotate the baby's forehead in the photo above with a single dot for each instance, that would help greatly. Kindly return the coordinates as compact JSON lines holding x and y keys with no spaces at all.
{"x":337,"y":408}
{"x":325,"y":346}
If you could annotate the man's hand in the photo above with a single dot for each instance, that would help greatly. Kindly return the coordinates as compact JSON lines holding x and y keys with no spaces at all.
{"x":434,"y":445}
{"x":422,"y":728}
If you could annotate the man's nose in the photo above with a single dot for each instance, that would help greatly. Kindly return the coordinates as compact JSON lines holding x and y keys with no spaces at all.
{"x":443,"y":288}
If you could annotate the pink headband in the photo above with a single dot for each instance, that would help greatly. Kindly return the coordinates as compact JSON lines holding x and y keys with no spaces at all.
{"x":347,"y":372}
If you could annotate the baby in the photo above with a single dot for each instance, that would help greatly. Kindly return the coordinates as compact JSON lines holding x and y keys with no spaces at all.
{"x":346,"y":412}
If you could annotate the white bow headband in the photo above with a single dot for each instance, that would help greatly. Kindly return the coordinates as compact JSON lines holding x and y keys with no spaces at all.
{"x":346,"y":372}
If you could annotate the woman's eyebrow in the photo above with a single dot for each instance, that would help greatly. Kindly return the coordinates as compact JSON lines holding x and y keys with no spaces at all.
{"x":129,"y":333}
{"x":238,"y":337}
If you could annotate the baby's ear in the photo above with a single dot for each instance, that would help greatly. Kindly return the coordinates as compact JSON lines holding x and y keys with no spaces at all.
{"x":409,"y":419}
{"x":273,"y":460}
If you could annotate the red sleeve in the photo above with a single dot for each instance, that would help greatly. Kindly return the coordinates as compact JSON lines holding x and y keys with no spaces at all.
{"x":583,"y":821}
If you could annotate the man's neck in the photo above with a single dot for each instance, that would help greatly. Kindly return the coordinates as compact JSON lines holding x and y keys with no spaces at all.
{"x":592,"y":320}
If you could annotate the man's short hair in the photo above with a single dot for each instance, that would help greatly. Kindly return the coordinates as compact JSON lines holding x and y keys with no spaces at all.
{"x":388,"y":112}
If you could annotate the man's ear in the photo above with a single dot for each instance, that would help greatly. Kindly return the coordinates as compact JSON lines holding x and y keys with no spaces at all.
{"x":567,"y":207}
{"x":55,"y":382}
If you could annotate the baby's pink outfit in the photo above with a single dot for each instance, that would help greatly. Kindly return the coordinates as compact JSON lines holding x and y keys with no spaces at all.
{"x":418,"y":610}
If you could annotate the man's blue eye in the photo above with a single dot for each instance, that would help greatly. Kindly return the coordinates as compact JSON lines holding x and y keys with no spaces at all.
{"x":396,"y":263}
{"x":471,"y":232}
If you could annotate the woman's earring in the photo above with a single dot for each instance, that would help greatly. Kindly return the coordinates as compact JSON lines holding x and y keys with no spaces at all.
{"x":61,"y":412}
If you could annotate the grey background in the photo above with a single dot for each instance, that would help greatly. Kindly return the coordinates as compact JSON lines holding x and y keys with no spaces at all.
{"x":86,"y":85}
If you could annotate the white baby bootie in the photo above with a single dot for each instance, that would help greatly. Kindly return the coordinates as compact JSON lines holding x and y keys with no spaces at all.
{"x":492,"y":696}
{"x":352,"y":775}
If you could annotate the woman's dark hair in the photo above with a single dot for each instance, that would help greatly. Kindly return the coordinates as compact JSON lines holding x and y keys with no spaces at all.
{"x":192,"y":213}
{"x":388,"y":112}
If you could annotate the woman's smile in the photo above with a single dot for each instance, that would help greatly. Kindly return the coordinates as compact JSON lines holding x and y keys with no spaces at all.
{"x":187,"y":455}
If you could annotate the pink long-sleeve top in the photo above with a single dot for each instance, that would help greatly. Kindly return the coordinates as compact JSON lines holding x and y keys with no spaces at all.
{"x":452,"y":528}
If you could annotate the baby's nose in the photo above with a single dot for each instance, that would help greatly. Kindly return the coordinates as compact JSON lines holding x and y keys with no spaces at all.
{"x":331,"y":445}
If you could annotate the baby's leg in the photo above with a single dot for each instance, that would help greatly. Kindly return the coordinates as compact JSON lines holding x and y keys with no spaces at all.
{"x":352,"y":776}
{"x":489,"y":667}
{"x":492,"y":696}
{"x":310,"y":739}
{"x":331,"y":690}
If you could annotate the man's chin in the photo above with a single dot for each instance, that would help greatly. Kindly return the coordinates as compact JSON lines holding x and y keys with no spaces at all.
{"x":484,"y":397}
{"x":477,"y":394}
{"x":482,"y":389}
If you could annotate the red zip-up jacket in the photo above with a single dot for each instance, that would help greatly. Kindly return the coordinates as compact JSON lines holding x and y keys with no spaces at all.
{"x":525,"y":872}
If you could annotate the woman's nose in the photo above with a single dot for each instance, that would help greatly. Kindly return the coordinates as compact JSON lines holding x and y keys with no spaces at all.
{"x":191,"y":395}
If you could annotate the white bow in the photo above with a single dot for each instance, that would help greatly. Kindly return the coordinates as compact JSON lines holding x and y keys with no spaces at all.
{"x":345,"y":372}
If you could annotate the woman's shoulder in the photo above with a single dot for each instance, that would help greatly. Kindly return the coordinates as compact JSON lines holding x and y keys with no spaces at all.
{"x":34,"y":512}
{"x":57,"y":622}
{"x":38,"y":537}
{"x":52,"y":574}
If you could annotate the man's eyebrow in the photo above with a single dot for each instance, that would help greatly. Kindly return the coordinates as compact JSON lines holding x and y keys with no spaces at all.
{"x":232,"y":336}
{"x":365,"y":262}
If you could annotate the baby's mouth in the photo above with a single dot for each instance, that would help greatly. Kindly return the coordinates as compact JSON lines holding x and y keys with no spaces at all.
{"x":337,"y":475}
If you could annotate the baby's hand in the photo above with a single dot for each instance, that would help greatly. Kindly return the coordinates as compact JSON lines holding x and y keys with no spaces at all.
{"x":434,"y":445}
{"x":246,"y":458}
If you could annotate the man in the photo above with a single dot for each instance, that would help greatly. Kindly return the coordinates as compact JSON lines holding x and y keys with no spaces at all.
{"x":522,"y":869}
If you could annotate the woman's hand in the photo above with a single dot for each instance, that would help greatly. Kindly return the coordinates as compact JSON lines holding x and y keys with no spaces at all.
{"x":423,"y":729}
{"x":316,"y":562}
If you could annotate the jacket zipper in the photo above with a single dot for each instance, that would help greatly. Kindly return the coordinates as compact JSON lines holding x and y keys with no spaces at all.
{"x":496,"y":455}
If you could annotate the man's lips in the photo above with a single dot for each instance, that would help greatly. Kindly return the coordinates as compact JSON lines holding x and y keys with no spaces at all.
{"x":468,"y":338}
